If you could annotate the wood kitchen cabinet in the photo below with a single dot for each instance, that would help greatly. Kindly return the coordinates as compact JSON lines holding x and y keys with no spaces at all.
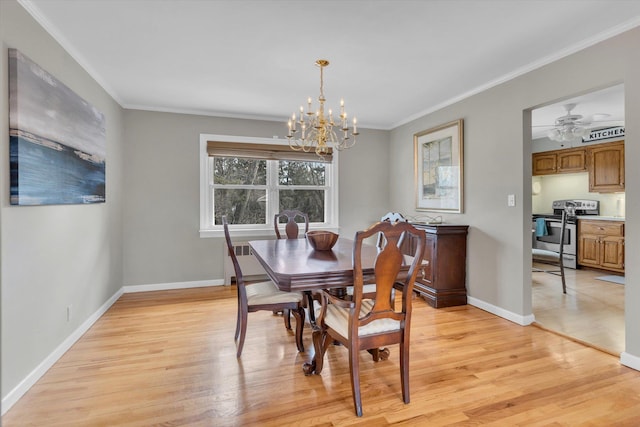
{"x":442,"y":282}
{"x":601,"y":244}
{"x":559,"y":161}
{"x":606,"y":167}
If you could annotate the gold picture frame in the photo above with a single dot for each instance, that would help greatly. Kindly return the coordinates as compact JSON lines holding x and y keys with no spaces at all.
{"x":439,"y":167}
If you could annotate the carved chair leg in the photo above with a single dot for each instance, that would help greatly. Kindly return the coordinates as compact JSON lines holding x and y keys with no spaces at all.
{"x":299,"y":315}
{"x":354,"y":367}
{"x":238,"y":321}
{"x":287,"y":318}
{"x":404,"y":369}
{"x":312,"y":314}
{"x":243,"y":333}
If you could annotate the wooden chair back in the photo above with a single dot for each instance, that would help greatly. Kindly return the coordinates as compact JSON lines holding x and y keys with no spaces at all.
{"x":291,"y":228}
{"x":242,"y":293}
{"x":388,"y":263}
{"x":391,"y":217}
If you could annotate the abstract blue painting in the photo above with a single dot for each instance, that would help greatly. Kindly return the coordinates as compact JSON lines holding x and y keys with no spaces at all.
{"x":57,"y":140}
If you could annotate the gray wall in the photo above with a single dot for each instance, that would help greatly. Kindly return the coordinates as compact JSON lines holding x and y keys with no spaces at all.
{"x":162,"y":199}
{"x":497,"y":162}
{"x":147,"y":232}
{"x":53,"y":256}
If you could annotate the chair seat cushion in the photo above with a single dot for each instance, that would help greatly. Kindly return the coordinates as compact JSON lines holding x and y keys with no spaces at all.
{"x":544,"y":255}
{"x":337,"y":318}
{"x":268,"y":293}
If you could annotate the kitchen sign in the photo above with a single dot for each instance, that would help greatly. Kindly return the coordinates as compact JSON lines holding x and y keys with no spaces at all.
{"x":596,"y":135}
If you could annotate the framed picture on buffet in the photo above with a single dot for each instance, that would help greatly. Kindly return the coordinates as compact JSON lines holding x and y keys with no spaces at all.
{"x":438,"y":156}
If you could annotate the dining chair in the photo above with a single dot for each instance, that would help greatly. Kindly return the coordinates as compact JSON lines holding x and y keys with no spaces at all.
{"x":291,"y":228}
{"x":262,"y":296}
{"x":360,"y":323}
{"x":554,"y":259}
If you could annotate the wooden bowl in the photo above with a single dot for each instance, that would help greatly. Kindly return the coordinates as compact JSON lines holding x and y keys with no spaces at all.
{"x":322,"y":240}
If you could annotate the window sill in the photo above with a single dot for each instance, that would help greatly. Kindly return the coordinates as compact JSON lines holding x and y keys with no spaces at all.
{"x":257,"y":232}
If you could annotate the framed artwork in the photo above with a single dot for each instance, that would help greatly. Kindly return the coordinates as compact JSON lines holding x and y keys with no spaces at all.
{"x":57,"y":140}
{"x":438,"y":156}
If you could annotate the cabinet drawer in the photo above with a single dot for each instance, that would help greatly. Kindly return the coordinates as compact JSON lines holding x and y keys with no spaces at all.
{"x":607,"y":228}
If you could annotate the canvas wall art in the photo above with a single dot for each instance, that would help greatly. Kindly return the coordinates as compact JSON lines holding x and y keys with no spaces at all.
{"x":57,"y":140}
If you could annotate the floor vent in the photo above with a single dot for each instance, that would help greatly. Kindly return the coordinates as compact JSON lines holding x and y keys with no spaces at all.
{"x":248,"y":263}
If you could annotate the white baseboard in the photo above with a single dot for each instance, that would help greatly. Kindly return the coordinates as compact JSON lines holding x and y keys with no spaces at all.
{"x":630,"y":360}
{"x":501,"y":312}
{"x":175,"y":285}
{"x":14,"y":395}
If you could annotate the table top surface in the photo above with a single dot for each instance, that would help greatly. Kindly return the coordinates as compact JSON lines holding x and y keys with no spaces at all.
{"x":293,"y":264}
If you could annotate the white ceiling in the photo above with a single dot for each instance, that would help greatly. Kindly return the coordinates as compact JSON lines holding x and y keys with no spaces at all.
{"x":391,"y":60}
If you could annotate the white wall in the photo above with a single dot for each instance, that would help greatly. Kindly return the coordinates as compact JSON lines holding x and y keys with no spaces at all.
{"x":497,"y":162}
{"x":53,"y":256}
{"x":161,"y":240}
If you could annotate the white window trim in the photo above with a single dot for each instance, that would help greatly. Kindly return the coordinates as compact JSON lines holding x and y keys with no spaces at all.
{"x":252,"y":230}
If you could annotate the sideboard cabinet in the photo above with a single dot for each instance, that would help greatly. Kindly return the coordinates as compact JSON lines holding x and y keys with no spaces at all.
{"x":442,"y":281}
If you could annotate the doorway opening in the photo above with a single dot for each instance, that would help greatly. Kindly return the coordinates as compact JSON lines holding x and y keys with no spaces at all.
{"x":592,"y":310}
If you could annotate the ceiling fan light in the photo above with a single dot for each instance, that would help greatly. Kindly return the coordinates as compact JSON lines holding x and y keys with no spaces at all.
{"x":584,"y":132}
{"x":554,"y":134}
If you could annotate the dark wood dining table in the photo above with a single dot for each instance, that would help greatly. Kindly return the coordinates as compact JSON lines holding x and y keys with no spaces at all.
{"x":294,"y":265}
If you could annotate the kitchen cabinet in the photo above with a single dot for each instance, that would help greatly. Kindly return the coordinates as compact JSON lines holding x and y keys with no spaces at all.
{"x":559,"y":161}
{"x":442,"y":281}
{"x":601,"y":244}
{"x":606,"y":167}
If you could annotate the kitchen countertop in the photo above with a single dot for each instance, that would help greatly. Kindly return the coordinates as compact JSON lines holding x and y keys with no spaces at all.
{"x":601,"y":218}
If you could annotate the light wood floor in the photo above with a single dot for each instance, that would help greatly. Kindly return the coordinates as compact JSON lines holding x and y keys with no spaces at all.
{"x":168,"y":358}
{"x":591,"y":311}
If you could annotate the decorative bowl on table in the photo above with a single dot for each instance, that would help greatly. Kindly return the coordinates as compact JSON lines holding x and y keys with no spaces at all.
{"x":322,"y":240}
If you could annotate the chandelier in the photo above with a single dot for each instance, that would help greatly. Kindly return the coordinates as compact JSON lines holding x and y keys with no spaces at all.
{"x":317,"y":130}
{"x":568,"y":127}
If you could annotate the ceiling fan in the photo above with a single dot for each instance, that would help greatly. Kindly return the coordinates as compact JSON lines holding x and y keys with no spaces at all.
{"x":570,"y":126}
{"x":573,"y":127}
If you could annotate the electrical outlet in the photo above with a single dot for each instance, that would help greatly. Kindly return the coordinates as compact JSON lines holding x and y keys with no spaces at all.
{"x":511,"y":200}
{"x":69,"y":313}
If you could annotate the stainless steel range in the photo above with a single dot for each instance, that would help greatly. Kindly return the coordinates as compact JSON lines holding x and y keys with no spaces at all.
{"x":551,"y":241}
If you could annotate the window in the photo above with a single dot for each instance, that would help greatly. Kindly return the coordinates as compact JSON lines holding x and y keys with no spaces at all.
{"x":250,"y":180}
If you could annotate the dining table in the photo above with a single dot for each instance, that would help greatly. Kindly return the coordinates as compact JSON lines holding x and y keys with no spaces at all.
{"x":294,"y":266}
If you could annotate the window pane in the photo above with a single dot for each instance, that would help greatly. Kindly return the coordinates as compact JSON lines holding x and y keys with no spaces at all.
{"x":301,"y":173}
{"x":239,"y":171}
{"x":240,"y":206}
{"x":309,"y":201}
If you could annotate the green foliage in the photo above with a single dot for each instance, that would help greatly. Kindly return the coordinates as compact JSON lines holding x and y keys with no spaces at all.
{"x":301,"y":173}
{"x":243,"y":203}
{"x":239,"y":171}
